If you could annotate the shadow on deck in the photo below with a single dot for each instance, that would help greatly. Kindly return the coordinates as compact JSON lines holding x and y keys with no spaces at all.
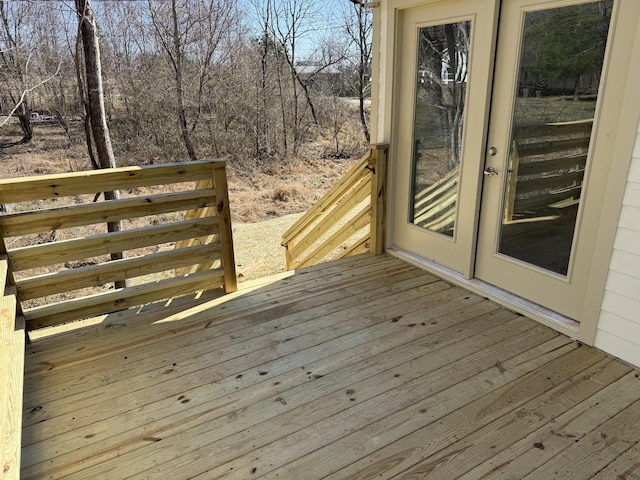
{"x":362,"y":368}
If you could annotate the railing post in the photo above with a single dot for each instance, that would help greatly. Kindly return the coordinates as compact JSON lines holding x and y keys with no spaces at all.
{"x":224,"y":219}
{"x":378,"y":165}
{"x":287,"y":255}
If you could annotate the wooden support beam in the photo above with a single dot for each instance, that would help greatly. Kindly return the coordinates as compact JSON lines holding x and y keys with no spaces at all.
{"x":378,"y":198}
{"x":226,"y":238}
{"x":12,"y":340}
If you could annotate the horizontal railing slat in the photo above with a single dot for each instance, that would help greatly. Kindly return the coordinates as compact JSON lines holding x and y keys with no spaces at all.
{"x":547,"y":199}
{"x":67,"y":250}
{"x":578,"y":127}
{"x":205,"y":264}
{"x":546,"y":167}
{"x":102,"y":212}
{"x":552,"y":182}
{"x":121,"y":299}
{"x":445,"y":220}
{"x":543,"y":166}
{"x":205,"y":211}
{"x":551,"y":146}
{"x":125,"y":269}
{"x":90,"y":182}
{"x":446,"y":202}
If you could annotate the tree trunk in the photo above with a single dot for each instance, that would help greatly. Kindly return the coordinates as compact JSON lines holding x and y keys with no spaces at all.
{"x":95,"y":91}
{"x":361,"y":108}
{"x":86,"y":121}
{"x":25,"y":123}
{"x":359,"y":34}
{"x":95,"y":104}
{"x":182,"y":114}
{"x":262,"y":119}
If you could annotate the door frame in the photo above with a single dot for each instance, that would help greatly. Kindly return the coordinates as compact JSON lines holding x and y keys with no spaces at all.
{"x":626,"y":33}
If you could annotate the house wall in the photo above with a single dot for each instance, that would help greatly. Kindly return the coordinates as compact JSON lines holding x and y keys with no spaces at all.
{"x":381,"y":75}
{"x":618,"y":330}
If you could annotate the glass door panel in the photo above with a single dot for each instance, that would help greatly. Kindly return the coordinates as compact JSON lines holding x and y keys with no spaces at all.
{"x":560,"y":65}
{"x":439,"y":112}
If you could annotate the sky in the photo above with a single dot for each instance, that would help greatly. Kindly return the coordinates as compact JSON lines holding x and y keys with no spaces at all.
{"x":327,"y":22}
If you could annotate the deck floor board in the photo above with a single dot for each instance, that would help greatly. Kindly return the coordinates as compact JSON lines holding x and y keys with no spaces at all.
{"x":362,"y":368}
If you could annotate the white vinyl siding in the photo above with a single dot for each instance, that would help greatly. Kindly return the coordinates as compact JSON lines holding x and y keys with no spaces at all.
{"x":619,"y":325}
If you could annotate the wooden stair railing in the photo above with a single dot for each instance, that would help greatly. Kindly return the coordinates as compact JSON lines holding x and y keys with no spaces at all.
{"x":347,"y":220}
{"x":61,"y":259}
{"x":549,"y":168}
{"x":546,"y":170}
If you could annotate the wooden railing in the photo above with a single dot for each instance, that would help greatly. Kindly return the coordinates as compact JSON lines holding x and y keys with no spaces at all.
{"x":55,"y":253}
{"x":347,"y":220}
{"x":548,"y":168}
{"x":12,"y":338}
{"x":435,"y":206}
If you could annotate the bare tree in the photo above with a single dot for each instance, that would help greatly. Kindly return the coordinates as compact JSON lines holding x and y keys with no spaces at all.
{"x":191,"y":33}
{"x":264,"y":14}
{"x":441,"y":92}
{"x":55,"y":35}
{"x":15,"y":67}
{"x":20,"y":71}
{"x":358,"y":26}
{"x":293,"y":20}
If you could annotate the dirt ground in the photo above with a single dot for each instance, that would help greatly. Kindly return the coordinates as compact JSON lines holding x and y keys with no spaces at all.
{"x":257,"y":246}
{"x":263,"y":204}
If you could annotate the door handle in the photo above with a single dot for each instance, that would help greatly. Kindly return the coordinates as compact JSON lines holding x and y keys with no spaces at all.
{"x":490,"y":171}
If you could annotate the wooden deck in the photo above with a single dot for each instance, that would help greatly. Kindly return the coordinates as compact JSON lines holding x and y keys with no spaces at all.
{"x":362,"y":368}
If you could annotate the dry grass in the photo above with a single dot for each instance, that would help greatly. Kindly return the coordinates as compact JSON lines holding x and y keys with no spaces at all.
{"x":256,"y":193}
{"x":292,"y":188}
{"x":278,"y":193}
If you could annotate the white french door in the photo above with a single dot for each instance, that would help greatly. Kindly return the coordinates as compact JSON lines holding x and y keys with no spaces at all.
{"x":444,"y":74}
{"x":500,"y":172}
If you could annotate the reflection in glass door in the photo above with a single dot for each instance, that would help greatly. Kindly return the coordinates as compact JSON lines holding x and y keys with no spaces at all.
{"x":441,"y":87}
{"x":560,"y":66}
